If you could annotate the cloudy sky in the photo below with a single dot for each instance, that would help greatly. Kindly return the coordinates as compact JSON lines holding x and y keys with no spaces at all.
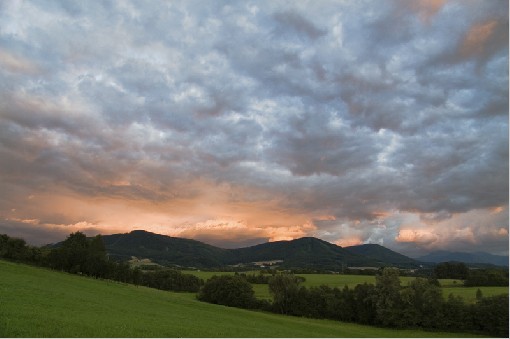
{"x":241,"y":122}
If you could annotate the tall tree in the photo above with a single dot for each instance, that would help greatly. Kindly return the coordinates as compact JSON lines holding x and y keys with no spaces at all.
{"x":96,"y":263}
{"x":74,"y":252}
{"x":365,"y":302}
{"x":388,"y":301}
{"x":13,"y":248}
{"x":421,"y":304}
{"x":284,"y":289}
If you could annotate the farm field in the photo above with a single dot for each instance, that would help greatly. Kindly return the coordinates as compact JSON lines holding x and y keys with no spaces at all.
{"x":37,"y":302}
{"x":452,"y":286}
{"x":469,"y":293}
{"x":332,"y":280}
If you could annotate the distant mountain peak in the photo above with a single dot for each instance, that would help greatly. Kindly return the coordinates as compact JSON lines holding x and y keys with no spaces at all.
{"x":136,"y":232}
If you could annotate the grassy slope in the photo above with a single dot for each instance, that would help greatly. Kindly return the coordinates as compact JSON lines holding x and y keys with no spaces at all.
{"x":36,"y":302}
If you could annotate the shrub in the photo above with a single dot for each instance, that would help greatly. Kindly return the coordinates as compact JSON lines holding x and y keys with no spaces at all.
{"x":228,"y":290}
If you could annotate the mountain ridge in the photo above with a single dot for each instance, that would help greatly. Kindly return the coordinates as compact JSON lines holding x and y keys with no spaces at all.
{"x":465,"y":257}
{"x":306,"y":252}
{"x":185,"y":252}
{"x":384,"y":254}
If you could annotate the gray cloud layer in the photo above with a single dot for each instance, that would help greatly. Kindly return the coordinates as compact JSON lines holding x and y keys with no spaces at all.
{"x":346,"y":108}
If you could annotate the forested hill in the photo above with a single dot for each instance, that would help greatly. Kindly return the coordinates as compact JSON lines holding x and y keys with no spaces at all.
{"x":165,"y":250}
{"x":470,"y":258}
{"x":300,"y":253}
{"x":383,"y":254}
{"x":305,"y":252}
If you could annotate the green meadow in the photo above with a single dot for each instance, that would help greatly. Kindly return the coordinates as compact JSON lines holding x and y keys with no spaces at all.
{"x":37,"y":302}
{"x":469,"y":293}
{"x":332,"y":280}
{"x":449,"y":286}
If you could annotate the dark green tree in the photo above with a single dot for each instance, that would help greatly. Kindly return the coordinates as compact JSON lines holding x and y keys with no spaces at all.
{"x":365,"y":303}
{"x":421,"y":304}
{"x":455,"y":314}
{"x":74,"y":252}
{"x":345,"y":308}
{"x":490,"y":315}
{"x":313,"y":302}
{"x":388,"y":301}
{"x":78,"y":254}
{"x":13,"y":248}
{"x":96,"y":262}
{"x":229,"y":290}
{"x":487,"y":277}
{"x":284,"y":289}
{"x":451,"y":270}
{"x":122,"y":272}
{"x":479,"y":294}
{"x":167,"y":279}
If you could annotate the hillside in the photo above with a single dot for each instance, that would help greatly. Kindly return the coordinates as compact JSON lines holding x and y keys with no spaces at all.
{"x":305,"y":252}
{"x":51,"y":304}
{"x":165,"y":250}
{"x":468,"y":258}
{"x":383,"y":255}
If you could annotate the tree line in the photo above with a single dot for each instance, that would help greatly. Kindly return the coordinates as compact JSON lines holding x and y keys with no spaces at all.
{"x":471,"y":277}
{"x":417,"y":305}
{"x":87,"y":256}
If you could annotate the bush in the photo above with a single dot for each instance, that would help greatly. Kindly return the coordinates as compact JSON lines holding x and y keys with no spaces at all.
{"x":451,"y":270}
{"x":490,"y":315}
{"x":487,"y":277}
{"x":284,"y":288}
{"x":228,"y":290}
{"x":171,"y":280}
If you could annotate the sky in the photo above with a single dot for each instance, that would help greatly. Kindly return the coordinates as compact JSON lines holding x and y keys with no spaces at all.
{"x":241,"y":122}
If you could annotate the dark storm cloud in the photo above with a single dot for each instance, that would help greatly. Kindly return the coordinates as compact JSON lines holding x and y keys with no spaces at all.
{"x":310,"y":145}
{"x":292,"y":22}
{"x":32,"y":235}
{"x":346,"y":109}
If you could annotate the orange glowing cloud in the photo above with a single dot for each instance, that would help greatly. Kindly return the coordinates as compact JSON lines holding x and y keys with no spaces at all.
{"x":472,"y":227}
{"x":210,"y":214}
{"x":503,"y":232}
{"x":475,"y":41}
{"x":421,"y":236}
{"x":220,"y":230}
{"x":345,"y":242}
{"x":497,"y":210}
{"x":426,"y":9}
{"x":464,"y":234}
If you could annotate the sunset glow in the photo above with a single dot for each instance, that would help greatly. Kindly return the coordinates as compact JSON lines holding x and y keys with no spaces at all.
{"x":238,"y":123}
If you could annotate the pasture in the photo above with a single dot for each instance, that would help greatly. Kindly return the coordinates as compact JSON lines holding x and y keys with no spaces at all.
{"x":469,"y":293}
{"x":448,"y":286}
{"x":37,"y":302}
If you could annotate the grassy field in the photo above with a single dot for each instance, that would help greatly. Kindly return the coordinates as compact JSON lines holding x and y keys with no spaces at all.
{"x":36,"y":302}
{"x":452,"y":286}
{"x":469,"y":293}
{"x":333,"y":280}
